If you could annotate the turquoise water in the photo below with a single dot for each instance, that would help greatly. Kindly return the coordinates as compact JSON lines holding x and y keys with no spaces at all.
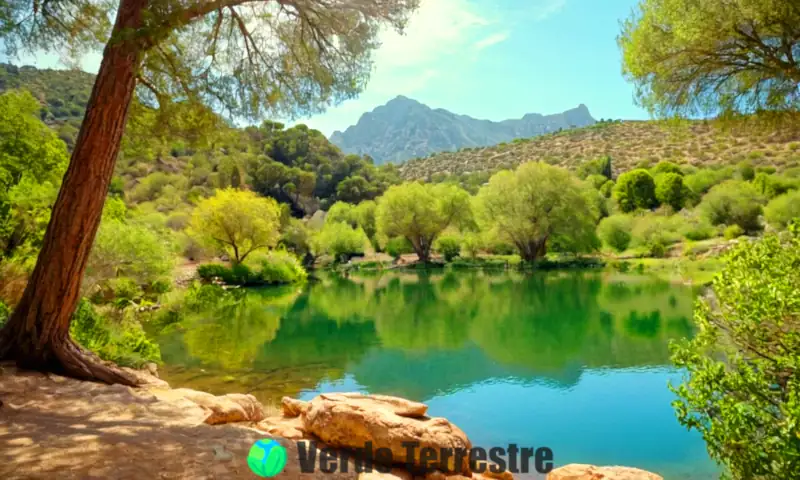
{"x":577,"y":362}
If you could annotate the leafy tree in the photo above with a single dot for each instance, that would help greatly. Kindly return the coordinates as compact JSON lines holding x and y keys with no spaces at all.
{"x":298,"y":238}
{"x":782,"y":210}
{"x":670,"y":190}
{"x":700,"y":57}
{"x":742,"y":388}
{"x":615,"y":231}
{"x":597,"y":181}
{"x":238,"y":221}
{"x":534,"y":205}
{"x":250,"y":56}
{"x":341,"y":241}
{"x":703,"y":180}
{"x":773,"y":185}
{"x":398,"y":246}
{"x":733,"y":203}
{"x":635,"y":189}
{"x":420,"y":212}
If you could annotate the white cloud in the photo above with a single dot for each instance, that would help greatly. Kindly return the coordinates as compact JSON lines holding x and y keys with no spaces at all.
{"x":547,"y":8}
{"x":493,"y":39}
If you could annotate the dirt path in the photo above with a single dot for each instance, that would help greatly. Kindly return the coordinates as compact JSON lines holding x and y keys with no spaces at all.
{"x":55,"y":427}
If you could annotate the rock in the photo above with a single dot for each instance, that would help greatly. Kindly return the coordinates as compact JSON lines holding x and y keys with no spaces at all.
{"x":292,"y":408}
{"x":234,"y":407}
{"x":290,"y":428}
{"x":351,"y":420}
{"x":395,"y":474}
{"x":590,"y":472}
{"x":488,"y":473}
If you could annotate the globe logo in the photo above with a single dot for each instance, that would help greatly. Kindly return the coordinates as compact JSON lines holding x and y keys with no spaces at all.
{"x":266,"y":458}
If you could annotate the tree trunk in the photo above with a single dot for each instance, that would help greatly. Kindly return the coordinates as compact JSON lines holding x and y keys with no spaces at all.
{"x":37,"y":334}
{"x":533,"y":250}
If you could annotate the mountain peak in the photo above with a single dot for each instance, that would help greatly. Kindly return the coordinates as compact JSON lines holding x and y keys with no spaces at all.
{"x":404,"y":128}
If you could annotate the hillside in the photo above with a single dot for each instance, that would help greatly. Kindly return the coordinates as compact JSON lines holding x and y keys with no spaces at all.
{"x":63,"y":94}
{"x":629,"y":144}
{"x":404,"y":129}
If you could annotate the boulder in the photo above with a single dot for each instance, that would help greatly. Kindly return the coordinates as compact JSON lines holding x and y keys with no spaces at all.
{"x":590,"y":472}
{"x":395,"y":474}
{"x":230,"y":408}
{"x":351,"y":420}
{"x":291,"y":407}
{"x":290,"y":428}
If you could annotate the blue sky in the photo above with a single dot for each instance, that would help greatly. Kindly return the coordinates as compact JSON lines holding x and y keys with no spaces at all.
{"x":492,"y":59}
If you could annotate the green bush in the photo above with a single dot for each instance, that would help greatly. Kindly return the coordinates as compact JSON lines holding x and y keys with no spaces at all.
{"x":341,"y":241}
{"x":703,"y":180}
{"x":772,"y":186}
{"x":123,"y":343}
{"x":597,"y":181}
{"x":733,"y":203}
{"x":664,"y":167}
{"x":670,"y":190}
{"x":5,"y":312}
{"x":607,"y":189}
{"x":280,"y":267}
{"x":654,"y":233}
{"x":733,"y":231}
{"x":741,"y":390}
{"x":398,"y":246}
{"x":781,"y":210}
{"x":449,"y":246}
{"x":615,"y":231}
{"x":211,"y":270}
{"x":635,"y":189}
{"x":746,"y":171}
{"x":471,"y":244}
{"x":696,"y":228}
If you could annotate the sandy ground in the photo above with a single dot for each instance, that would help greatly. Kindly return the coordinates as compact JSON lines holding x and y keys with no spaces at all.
{"x":55,"y":427}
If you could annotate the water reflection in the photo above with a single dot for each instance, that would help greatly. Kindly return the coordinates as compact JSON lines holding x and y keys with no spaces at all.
{"x":423,"y":335}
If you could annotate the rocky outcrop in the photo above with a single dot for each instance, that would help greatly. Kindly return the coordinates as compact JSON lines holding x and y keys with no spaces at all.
{"x":231,"y":408}
{"x":590,"y":472}
{"x":352,"y":420}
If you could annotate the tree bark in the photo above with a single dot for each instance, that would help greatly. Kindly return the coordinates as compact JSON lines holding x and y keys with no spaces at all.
{"x":533,"y":250}
{"x":37,"y":334}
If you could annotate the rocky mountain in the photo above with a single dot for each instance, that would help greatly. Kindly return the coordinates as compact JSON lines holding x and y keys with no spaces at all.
{"x":404,"y":129}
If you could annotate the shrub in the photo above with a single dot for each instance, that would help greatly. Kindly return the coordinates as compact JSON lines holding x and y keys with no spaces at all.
{"x":341,"y":241}
{"x":607,"y":188}
{"x":654,"y":232}
{"x":398,"y":246}
{"x":666,"y":167}
{"x":211,"y":270}
{"x":670,"y":190}
{"x":615,"y":231}
{"x":773,"y":185}
{"x":597,"y":181}
{"x":702,"y":181}
{"x":449,"y":246}
{"x":781,"y":210}
{"x":5,"y":312}
{"x":280,"y":267}
{"x":472,"y":244}
{"x":733,"y":202}
{"x":733,"y":231}
{"x":635,"y":189}
{"x":746,"y":171}
{"x":696,"y":228}
{"x":741,"y":388}
{"x":124,"y":342}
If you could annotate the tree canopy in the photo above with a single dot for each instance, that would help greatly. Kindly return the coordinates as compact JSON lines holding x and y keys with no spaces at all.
{"x":238,"y":221}
{"x":420,"y":212}
{"x":703,"y":56}
{"x":537,"y":204}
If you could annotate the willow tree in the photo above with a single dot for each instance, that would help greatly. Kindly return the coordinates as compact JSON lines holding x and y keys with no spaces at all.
{"x":536,"y":204}
{"x":248,"y":58}
{"x":707,"y":56}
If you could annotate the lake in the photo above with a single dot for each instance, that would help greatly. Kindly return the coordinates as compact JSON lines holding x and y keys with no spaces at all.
{"x":574,"y":361}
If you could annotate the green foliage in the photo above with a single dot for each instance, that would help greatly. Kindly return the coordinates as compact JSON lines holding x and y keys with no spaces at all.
{"x":746,"y":171}
{"x":653,"y":233}
{"x":599,"y":166}
{"x":666,"y":167}
{"x":703,"y":180}
{"x":670,"y":190}
{"x":742,"y":391}
{"x":733,"y":203}
{"x":398,"y":246}
{"x":635,"y":189}
{"x":341,"y":241}
{"x":471,"y":244}
{"x":537,"y":204}
{"x":615,"y":231}
{"x":781,"y":210}
{"x":773,"y":185}
{"x":123,"y":342}
{"x":685,"y":57}
{"x":5,"y":312}
{"x":128,"y":250}
{"x":449,"y":245}
{"x":597,"y":181}
{"x":277,"y":267}
{"x":238,"y":221}
{"x":696,"y":227}
{"x":421,"y":212}
{"x":607,"y":189}
{"x":732,"y":231}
